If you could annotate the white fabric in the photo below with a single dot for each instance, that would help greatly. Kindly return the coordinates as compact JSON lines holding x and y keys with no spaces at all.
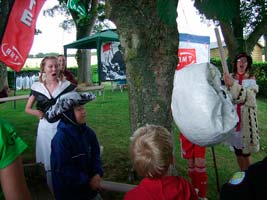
{"x":40,"y":87}
{"x":45,"y":133}
{"x":199,"y":107}
{"x":46,"y":130}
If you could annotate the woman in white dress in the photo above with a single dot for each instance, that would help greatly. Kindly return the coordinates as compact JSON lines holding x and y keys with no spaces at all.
{"x":45,"y":93}
{"x":243,"y":88}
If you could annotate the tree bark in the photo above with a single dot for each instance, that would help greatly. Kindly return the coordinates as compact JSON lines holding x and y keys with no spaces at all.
{"x":265,"y":47}
{"x":84,"y":28}
{"x":5,"y":7}
{"x":150,"y":51}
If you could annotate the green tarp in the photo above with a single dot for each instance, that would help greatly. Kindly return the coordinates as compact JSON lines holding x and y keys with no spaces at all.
{"x":93,"y":41}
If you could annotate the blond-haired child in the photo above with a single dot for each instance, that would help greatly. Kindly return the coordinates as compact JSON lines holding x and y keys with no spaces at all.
{"x":151,"y":153}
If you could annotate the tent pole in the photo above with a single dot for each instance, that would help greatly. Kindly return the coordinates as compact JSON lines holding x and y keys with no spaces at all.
{"x":216,"y":169}
{"x":15,"y":88}
{"x":99,"y":60}
{"x":65,"y":54}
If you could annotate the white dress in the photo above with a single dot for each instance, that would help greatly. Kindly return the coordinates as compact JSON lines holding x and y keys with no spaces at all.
{"x":46,"y":130}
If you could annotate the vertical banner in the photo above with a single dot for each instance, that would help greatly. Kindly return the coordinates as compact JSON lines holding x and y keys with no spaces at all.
{"x":193,"y":49}
{"x":19,"y":33}
{"x":112,"y":62}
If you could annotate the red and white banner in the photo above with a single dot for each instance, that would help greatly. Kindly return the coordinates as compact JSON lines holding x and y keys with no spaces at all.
{"x":19,"y":33}
{"x":193,"y":49}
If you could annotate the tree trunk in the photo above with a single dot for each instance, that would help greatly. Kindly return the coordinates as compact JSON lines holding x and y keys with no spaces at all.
{"x":3,"y":76}
{"x":84,"y":72}
{"x":5,"y":7}
{"x":150,"y":51}
{"x":265,"y":47}
{"x":84,"y":56}
{"x":84,"y":28}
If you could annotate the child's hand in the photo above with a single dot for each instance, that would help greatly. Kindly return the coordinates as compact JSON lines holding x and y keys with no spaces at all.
{"x":95,"y":182}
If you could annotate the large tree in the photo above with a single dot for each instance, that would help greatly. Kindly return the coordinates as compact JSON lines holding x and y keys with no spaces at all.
{"x":84,"y":26}
{"x":242,"y":22}
{"x":5,"y":7}
{"x":149,"y":38}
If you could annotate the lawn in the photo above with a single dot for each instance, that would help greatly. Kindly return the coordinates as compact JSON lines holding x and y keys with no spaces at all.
{"x":108,"y":115}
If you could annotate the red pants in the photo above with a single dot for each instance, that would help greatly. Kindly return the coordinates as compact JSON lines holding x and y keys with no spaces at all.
{"x":196,"y":171}
{"x":190,"y":150}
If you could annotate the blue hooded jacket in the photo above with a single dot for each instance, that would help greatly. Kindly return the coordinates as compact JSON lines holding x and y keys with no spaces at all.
{"x":75,"y":159}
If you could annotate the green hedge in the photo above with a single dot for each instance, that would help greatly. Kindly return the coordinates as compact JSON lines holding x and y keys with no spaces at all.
{"x":12,"y":74}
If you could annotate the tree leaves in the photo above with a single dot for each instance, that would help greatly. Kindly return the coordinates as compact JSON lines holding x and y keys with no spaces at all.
{"x":167,"y":11}
{"x":217,"y":9}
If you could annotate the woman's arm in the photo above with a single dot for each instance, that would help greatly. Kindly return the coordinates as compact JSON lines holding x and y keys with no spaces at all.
{"x":29,"y":110}
{"x":13,"y":182}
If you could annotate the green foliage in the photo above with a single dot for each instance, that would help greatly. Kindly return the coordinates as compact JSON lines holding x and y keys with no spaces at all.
{"x":242,"y":22}
{"x":217,"y":9}
{"x":167,"y":11}
{"x":61,"y":9}
{"x":252,"y":12}
{"x":11,"y":74}
{"x":229,"y":10}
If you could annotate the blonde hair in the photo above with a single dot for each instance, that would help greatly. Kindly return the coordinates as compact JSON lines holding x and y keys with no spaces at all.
{"x":151,"y":151}
{"x":42,"y":67}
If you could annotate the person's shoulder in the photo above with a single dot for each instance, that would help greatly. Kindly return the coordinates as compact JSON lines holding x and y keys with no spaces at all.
{"x":67,"y":85}
{"x":61,"y":131}
{"x":179,"y":180}
{"x":136,"y":193}
{"x":36,"y":85}
{"x":68,"y":72}
{"x":90,"y":131}
{"x":237,"y":187}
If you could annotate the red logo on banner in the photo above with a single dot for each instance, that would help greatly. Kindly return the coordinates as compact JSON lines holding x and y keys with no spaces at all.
{"x":19,"y":32}
{"x":106,"y":47}
{"x":186,"y":57}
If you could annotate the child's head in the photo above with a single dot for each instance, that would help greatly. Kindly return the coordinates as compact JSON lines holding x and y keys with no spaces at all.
{"x":80,"y":114}
{"x":70,"y":107}
{"x":151,"y":151}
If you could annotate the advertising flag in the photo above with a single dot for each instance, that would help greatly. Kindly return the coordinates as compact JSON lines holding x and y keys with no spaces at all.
{"x":112,"y":62}
{"x":77,"y":6}
{"x":193,"y":49}
{"x":19,"y":33}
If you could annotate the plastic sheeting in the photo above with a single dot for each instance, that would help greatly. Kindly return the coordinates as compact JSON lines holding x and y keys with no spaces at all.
{"x":201,"y":107}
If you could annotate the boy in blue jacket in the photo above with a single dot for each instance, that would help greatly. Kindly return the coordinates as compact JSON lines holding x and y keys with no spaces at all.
{"x":75,"y":153}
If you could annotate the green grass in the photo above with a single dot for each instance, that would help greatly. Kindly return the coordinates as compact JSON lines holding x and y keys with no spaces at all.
{"x":108,"y":115}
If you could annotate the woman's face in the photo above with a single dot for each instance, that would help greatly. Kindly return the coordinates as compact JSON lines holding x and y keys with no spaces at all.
{"x":51,"y":69}
{"x":242,"y":64}
{"x":61,"y":63}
